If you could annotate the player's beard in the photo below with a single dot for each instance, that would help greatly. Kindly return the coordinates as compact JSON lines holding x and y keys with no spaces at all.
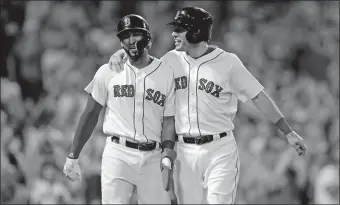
{"x":138,"y":50}
{"x":133,"y":53}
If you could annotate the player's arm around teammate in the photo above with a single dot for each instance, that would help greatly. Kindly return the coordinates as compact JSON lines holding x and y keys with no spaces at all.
{"x":209,"y":172}
{"x":262,"y":101}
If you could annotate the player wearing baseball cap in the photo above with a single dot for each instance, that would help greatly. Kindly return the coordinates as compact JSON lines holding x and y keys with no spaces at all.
{"x":139,"y":103}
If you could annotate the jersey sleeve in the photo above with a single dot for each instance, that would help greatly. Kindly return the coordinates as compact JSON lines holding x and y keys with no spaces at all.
{"x":97,"y":88}
{"x":169,"y":109}
{"x":243,"y":84}
{"x":170,"y":57}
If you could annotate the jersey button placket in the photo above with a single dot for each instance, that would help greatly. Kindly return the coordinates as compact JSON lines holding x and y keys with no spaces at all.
{"x":140,"y":82}
{"x":192,"y":103}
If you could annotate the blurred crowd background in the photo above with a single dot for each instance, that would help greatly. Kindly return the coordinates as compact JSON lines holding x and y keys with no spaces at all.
{"x":52,"y":49}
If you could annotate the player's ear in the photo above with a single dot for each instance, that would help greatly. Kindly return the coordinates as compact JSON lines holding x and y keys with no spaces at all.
{"x":149,"y":45}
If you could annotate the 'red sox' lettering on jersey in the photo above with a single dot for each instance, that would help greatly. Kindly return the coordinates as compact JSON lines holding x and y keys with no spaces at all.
{"x":126,"y":95}
{"x":207,"y":90}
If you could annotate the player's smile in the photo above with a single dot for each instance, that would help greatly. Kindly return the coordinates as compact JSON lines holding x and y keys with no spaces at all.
{"x":177,"y":42}
{"x":177,"y":34}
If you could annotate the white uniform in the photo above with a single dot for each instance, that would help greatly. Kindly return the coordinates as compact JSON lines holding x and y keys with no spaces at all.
{"x":136,"y":101}
{"x":207,"y":90}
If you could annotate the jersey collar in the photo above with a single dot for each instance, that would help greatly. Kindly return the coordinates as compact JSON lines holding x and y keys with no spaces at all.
{"x":148,"y":69}
{"x":205,"y":57}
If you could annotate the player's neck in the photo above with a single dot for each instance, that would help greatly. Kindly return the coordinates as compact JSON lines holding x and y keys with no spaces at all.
{"x":197,"y":50}
{"x":143,"y":61}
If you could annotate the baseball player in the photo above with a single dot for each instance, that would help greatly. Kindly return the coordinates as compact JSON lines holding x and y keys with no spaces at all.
{"x":139,"y":103}
{"x":208,"y":83}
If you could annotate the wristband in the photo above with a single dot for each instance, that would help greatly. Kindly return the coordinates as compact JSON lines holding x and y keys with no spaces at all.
{"x":284,"y":126}
{"x":71,"y":156}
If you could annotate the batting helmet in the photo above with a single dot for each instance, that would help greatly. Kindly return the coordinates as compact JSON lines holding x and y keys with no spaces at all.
{"x":133,"y":23}
{"x":197,"y":21}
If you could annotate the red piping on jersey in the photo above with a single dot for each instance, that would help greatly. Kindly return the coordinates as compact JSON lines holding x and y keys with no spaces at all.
{"x":134,"y":105}
{"x":144,"y":100}
{"x":188,"y":95}
{"x":198,"y":124}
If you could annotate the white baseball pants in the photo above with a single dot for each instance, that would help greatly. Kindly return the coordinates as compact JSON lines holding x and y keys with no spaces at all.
{"x":125,"y":169}
{"x":207,"y":173}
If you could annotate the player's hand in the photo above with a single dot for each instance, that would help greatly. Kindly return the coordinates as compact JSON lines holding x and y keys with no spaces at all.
{"x":167,"y":171}
{"x":297,"y":143}
{"x":168,"y":157}
{"x":166,"y":163}
{"x":117,"y":60}
{"x":72,"y":170}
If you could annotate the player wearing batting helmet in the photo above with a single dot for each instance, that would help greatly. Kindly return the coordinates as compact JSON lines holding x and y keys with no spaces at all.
{"x":196,"y":22}
{"x":208,"y":84}
{"x":139,"y":116}
{"x":136,"y":24}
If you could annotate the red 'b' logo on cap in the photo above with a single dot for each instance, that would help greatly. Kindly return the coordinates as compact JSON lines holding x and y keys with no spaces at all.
{"x":127,"y":22}
{"x":177,"y":14}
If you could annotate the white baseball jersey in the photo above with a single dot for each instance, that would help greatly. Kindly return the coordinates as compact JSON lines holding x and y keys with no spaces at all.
{"x":207,"y":90}
{"x":136,"y":99}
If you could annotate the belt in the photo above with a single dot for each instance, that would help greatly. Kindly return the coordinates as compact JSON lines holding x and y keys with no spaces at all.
{"x":140,"y":146}
{"x":202,"y":139}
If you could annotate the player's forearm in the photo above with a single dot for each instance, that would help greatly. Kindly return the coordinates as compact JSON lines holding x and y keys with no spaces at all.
{"x":86,"y":125}
{"x":168,"y":136}
{"x":270,"y":110}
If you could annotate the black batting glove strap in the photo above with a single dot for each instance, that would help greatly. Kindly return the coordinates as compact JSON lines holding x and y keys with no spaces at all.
{"x":71,"y":156}
{"x":169,"y":153}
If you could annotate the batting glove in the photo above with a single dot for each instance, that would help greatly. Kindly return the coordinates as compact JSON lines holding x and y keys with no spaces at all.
{"x":117,"y":60}
{"x":297,"y":143}
{"x":167,"y":165}
{"x":72,"y":170}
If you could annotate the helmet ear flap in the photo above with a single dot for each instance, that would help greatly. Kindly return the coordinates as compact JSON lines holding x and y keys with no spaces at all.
{"x":193,"y":37}
{"x":144,"y":43}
